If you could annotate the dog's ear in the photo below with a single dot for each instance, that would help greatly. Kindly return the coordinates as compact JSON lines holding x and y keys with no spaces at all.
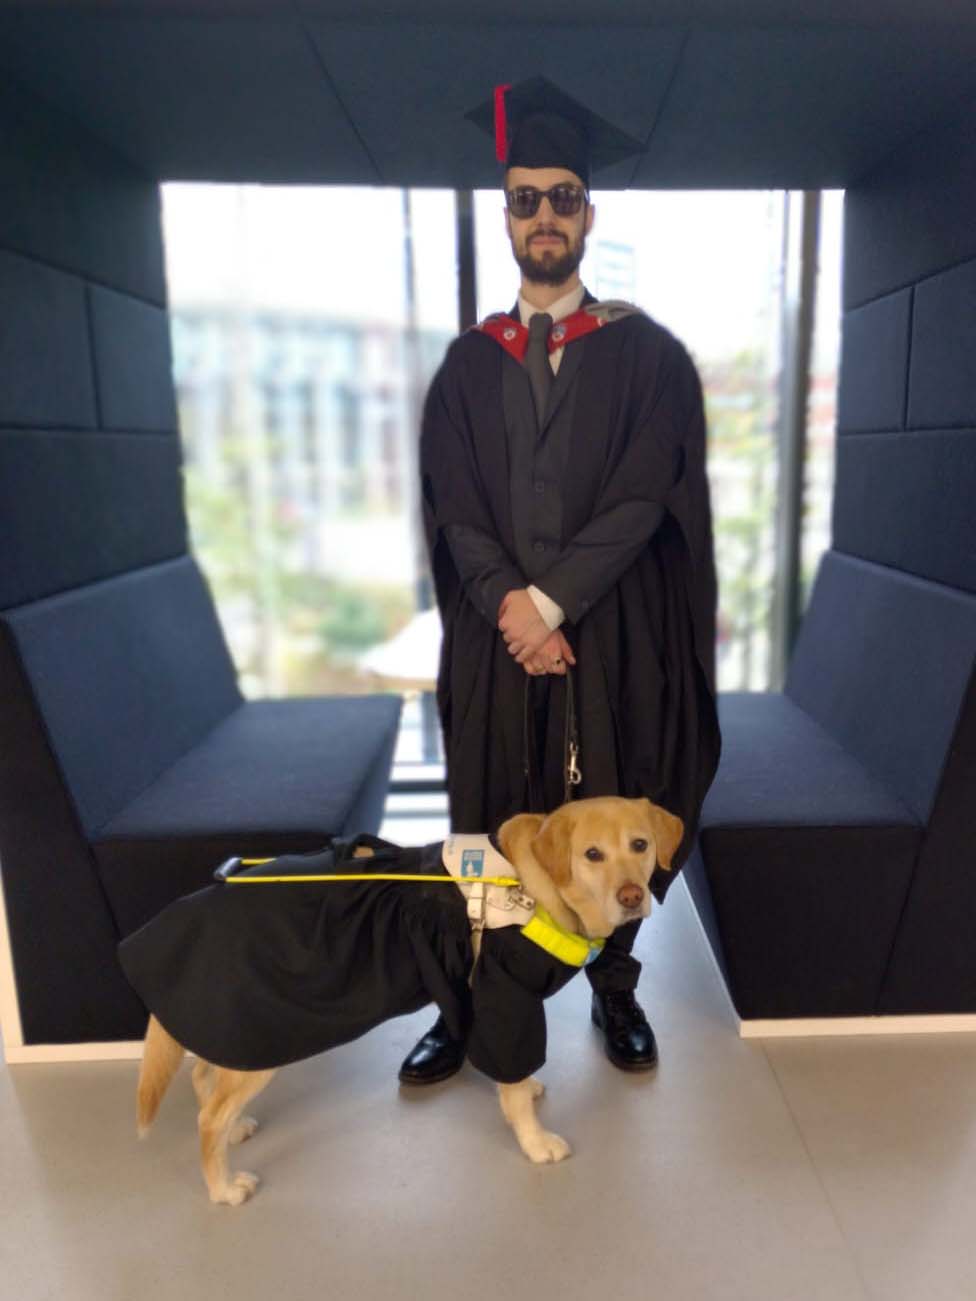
{"x":518,"y":831}
{"x":668,"y":832}
{"x":553,"y":846}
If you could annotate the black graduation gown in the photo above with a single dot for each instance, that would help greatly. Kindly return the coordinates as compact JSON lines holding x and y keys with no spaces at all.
{"x":255,"y":976}
{"x":644,"y":637}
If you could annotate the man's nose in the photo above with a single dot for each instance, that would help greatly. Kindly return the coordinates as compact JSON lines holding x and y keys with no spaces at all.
{"x":630,"y":895}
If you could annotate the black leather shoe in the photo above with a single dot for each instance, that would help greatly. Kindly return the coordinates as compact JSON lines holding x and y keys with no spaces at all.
{"x":434,"y":1058}
{"x":628,"y":1037}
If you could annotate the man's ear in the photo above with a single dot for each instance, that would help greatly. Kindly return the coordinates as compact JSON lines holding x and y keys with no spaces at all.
{"x":518,"y":832}
{"x":553,"y":847}
{"x":668,"y":832}
{"x":590,"y":217}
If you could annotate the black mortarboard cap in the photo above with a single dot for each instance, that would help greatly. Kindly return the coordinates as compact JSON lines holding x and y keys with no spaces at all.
{"x":535,"y":124}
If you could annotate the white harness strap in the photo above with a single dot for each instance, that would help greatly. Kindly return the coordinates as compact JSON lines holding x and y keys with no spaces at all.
{"x":473,"y":861}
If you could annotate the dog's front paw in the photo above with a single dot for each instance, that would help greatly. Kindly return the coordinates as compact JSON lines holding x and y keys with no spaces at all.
{"x":243,"y":1130}
{"x":241,"y":1187}
{"x":545,"y":1147}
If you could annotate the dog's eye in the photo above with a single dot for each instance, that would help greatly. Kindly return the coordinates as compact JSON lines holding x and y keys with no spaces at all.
{"x":594,"y":855}
{"x":638,"y":845}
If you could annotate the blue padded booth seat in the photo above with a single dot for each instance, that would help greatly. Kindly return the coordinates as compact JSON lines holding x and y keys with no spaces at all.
{"x":803,"y":863}
{"x":832,"y":870}
{"x":131,"y":767}
{"x":275,"y":776}
{"x":128,"y":674}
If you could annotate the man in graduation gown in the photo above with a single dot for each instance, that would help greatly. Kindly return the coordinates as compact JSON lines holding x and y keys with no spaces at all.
{"x":569,"y":530}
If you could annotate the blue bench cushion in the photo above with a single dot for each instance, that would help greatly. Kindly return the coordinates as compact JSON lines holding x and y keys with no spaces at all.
{"x":882,"y":663}
{"x":779,"y":768}
{"x":128,"y":675}
{"x":274,"y":776}
{"x":803,"y":865}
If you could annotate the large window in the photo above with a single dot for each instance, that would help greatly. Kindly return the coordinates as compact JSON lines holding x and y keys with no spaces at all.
{"x":822,"y":403}
{"x":307,"y":323}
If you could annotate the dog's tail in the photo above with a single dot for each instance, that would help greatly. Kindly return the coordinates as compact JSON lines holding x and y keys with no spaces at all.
{"x":161,"y":1058}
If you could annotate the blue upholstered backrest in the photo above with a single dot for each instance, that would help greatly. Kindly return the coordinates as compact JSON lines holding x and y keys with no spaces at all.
{"x":883,"y":662}
{"x":128,"y":674}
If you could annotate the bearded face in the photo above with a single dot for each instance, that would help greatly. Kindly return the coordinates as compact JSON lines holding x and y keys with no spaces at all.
{"x":548,"y":248}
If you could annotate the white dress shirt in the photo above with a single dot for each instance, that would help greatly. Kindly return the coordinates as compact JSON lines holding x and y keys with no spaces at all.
{"x":562,"y":307}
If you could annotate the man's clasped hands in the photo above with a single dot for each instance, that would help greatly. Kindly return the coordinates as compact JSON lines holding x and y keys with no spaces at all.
{"x":528,"y":637}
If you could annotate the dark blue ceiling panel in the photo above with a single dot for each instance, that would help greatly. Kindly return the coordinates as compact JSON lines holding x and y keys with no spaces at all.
{"x":800,"y":107}
{"x":752,"y":95}
{"x":408,"y":86}
{"x":192,"y":98}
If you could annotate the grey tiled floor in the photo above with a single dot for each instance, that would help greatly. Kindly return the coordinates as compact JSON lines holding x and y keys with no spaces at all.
{"x":815,"y":1170}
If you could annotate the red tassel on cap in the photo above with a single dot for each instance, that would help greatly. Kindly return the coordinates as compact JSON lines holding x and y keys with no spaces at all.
{"x":501,"y":127}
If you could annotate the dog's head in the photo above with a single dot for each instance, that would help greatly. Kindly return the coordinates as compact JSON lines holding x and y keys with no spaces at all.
{"x":600,"y":853}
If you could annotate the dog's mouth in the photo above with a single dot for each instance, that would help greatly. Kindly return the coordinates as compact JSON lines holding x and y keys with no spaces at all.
{"x":632,"y":914}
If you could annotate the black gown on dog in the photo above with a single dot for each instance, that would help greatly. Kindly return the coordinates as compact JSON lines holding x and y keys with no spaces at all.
{"x":255,"y":976}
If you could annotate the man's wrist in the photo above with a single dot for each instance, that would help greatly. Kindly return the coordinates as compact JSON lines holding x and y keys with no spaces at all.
{"x":492,"y":593}
{"x":552,"y":614}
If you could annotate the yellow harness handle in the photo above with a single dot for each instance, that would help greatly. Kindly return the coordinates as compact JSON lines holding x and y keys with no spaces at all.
{"x":360,"y":876}
{"x":541,"y":929}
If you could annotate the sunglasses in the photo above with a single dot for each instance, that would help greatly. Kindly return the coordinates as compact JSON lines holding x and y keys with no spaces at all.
{"x":566,"y":200}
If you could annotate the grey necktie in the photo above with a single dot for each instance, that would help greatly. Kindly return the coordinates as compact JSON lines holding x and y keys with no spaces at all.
{"x":537,"y":362}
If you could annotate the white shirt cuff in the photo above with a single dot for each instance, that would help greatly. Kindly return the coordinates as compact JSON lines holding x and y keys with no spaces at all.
{"x":552,"y":614}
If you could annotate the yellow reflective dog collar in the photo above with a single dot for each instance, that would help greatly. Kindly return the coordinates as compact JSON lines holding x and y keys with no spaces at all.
{"x":574,"y":950}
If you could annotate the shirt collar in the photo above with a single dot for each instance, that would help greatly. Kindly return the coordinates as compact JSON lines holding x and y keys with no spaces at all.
{"x":562,"y":307}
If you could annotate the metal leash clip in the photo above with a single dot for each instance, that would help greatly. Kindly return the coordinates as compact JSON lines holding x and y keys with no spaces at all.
{"x":573,"y":774}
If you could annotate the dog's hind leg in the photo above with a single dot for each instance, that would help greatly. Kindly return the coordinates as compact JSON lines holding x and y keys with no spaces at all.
{"x":204,"y":1075}
{"x":218,"y":1119}
{"x":203,"y":1080}
{"x":518,"y":1107}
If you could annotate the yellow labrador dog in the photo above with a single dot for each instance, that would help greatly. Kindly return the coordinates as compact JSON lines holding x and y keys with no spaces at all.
{"x":585,"y":869}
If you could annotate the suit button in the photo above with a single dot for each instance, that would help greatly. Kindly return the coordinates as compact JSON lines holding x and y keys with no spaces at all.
{"x":540,"y":486}
{"x":538,"y":546}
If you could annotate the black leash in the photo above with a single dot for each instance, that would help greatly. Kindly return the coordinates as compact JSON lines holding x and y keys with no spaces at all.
{"x":572,"y":776}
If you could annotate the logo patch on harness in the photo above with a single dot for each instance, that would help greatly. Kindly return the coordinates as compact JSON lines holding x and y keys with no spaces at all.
{"x":474,"y":858}
{"x":472,"y":863}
